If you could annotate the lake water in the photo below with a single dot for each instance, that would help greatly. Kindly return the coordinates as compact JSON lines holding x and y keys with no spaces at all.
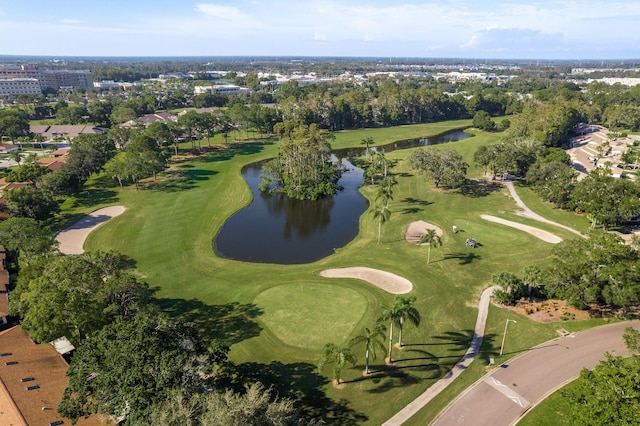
{"x":277,"y":229}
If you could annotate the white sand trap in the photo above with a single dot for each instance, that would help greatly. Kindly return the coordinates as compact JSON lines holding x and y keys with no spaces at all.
{"x":72,"y":239}
{"x":387,"y":281}
{"x":417,"y":229}
{"x":536,"y":232}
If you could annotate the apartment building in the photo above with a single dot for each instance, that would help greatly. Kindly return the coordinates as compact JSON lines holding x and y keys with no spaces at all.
{"x":18,"y":80}
{"x":19,"y":86}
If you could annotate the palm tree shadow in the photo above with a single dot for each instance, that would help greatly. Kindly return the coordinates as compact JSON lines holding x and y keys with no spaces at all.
{"x":459,"y":340}
{"x":464,"y":258}
{"x":415,"y":205}
{"x":394,"y":378}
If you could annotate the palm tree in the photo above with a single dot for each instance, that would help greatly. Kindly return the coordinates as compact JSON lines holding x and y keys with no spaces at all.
{"x":371,"y":339}
{"x":391,"y":314}
{"x":367,"y":141}
{"x":15,"y":156}
{"x":431,"y":238}
{"x":339,"y":357}
{"x":407,"y":313}
{"x":382,"y":213}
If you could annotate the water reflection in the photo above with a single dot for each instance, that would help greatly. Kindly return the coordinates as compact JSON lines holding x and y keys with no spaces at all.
{"x":278,"y":229}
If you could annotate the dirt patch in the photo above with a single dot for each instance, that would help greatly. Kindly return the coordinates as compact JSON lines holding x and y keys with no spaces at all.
{"x":548,"y":311}
{"x":417,"y":229}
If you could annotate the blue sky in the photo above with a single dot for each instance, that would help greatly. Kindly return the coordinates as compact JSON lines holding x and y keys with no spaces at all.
{"x":581,"y":29}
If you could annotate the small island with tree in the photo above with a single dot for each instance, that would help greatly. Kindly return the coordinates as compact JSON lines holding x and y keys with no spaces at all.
{"x":303,"y":168}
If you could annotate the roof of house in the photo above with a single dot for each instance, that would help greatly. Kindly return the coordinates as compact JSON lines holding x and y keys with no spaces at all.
{"x":70,"y":131}
{"x":7,"y":147}
{"x":4,"y":288}
{"x":159,"y":116}
{"x":32,"y":381}
{"x":51,"y":163}
{"x":60,"y":152}
{"x":8,"y":186}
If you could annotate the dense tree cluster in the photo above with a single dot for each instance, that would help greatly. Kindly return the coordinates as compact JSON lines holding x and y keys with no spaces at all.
{"x":444,"y":166}
{"x":131,"y":365}
{"x":303,"y":168}
{"x":598,"y":269}
{"x":610,"y":393}
{"x":75,"y":296}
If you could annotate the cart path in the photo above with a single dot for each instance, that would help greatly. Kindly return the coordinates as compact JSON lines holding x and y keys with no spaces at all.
{"x":434,"y":390}
{"x":527,"y":212}
{"x":545,"y":236}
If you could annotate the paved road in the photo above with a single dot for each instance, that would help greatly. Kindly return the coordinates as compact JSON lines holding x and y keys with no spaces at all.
{"x":504,"y":395}
{"x":478,"y":335}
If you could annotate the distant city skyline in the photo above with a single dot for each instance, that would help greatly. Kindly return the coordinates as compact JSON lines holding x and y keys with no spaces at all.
{"x":581,"y":29}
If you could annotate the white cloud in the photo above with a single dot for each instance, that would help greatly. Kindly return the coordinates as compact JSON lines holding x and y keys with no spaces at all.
{"x":221,"y":12}
{"x":69,"y":21}
{"x":318,"y":36}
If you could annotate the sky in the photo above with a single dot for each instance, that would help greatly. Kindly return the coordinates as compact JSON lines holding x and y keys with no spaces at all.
{"x":475,"y":29}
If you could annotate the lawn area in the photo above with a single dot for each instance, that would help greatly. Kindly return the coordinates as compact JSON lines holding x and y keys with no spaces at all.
{"x":553,"y":410}
{"x":278,"y":317}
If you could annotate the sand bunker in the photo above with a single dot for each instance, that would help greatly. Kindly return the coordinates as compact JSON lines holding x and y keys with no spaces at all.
{"x":536,"y":232}
{"x":417,"y":229}
{"x":72,"y":239}
{"x":386,"y":281}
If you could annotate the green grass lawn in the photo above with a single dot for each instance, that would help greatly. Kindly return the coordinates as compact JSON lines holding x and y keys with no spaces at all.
{"x":276,"y":329}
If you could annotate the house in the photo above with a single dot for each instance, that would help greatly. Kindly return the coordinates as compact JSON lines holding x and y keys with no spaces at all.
{"x":32,"y":381}
{"x":51,"y":163}
{"x":56,"y":159}
{"x":4,"y":287}
{"x":148,"y":119}
{"x":6,"y":148}
{"x":51,"y":132}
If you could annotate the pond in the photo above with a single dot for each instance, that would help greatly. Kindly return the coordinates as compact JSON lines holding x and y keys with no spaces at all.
{"x":274,"y":228}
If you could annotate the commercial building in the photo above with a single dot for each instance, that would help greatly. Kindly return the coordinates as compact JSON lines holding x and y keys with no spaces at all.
{"x":54,"y":79}
{"x":76,"y":79}
{"x":221,"y":89}
{"x":19,"y":86}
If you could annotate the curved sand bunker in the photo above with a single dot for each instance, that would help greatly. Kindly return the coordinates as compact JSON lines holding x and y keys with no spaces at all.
{"x":536,"y":232}
{"x":391,"y":283}
{"x":72,"y":238}
{"x":417,"y":229}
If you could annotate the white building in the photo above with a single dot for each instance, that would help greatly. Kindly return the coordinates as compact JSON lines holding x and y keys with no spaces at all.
{"x":221,"y":89}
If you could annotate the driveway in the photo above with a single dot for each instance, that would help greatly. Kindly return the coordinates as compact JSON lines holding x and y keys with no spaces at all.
{"x":504,"y":395}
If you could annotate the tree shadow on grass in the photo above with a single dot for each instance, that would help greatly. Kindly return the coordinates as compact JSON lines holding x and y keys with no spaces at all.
{"x":95,"y":195}
{"x":182,"y":181}
{"x":464,"y":258}
{"x":415,"y":205}
{"x":478,"y":188}
{"x":229,"y":323}
{"x":226,"y":153}
{"x":302,"y":383}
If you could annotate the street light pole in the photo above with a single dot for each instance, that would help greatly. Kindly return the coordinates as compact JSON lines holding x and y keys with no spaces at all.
{"x":504,"y":336}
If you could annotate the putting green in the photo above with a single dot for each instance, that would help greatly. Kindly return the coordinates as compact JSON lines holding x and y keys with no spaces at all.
{"x":309,"y":315}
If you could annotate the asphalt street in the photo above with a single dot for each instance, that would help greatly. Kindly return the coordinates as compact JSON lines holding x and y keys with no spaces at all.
{"x":505,"y":394}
